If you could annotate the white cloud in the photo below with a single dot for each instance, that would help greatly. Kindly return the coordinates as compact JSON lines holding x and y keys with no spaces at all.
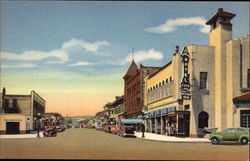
{"x":140,"y":56}
{"x":92,"y":47}
{"x":35,"y":55}
{"x":19,"y":66}
{"x":81,"y":63}
{"x":61,"y":54}
{"x":172,"y":24}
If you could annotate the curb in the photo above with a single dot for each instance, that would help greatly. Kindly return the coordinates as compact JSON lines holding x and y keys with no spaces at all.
{"x":171,"y":141}
{"x":21,"y":136}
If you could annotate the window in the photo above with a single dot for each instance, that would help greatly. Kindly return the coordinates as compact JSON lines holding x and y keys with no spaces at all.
{"x":170,"y":79}
{"x":166,"y":80}
{"x":14,"y":103}
{"x":203,"y":80}
{"x":231,"y":130}
{"x":163,"y":82}
{"x":203,"y":120}
{"x":248,"y":78}
{"x":6,"y":103}
{"x":245,"y":118}
{"x":186,"y":108}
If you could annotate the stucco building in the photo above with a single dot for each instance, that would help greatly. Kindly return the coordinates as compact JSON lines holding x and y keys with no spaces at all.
{"x":203,"y":86}
{"x":18,"y":113}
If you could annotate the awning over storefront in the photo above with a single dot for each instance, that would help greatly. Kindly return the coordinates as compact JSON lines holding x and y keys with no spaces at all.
{"x":162,"y":111}
{"x":131,"y":121}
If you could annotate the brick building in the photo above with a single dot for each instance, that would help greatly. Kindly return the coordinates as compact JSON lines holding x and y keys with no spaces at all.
{"x":134,"y":88}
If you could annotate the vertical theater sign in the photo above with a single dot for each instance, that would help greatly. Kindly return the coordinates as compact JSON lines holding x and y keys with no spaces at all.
{"x":185,"y":82}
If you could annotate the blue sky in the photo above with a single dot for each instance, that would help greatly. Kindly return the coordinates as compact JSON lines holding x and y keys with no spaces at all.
{"x":95,"y":39}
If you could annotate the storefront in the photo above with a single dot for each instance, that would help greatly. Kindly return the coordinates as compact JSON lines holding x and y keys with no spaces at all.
{"x":242,"y":114}
{"x":168,"y":121}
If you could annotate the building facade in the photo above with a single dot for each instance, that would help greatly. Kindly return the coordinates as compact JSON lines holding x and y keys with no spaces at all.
{"x":19,"y":113}
{"x":134,"y":88}
{"x":203,"y":86}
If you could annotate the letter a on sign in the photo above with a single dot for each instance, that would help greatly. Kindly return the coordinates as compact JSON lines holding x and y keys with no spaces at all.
{"x":185,"y":51}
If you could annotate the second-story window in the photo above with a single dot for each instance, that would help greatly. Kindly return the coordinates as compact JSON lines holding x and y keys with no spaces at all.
{"x":6,"y":103}
{"x":203,"y":80}
{"x":14,"y":103}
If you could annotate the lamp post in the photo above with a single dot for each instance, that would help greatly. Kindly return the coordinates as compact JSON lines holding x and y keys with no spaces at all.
{"x":143,"y":126}
{"x":38,"y":117}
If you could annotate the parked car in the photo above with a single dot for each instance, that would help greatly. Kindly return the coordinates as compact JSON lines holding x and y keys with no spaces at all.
{"x":97,"y":127}
{"x":232,"y":134}
{"x":49,"y":131}
{"x":114,"y":129}
{"x":58,"y":128}
{"x":77,"y":126}
{"x":126,"y":127}
{"x":126,"y":131}
{"x":63,"y":127}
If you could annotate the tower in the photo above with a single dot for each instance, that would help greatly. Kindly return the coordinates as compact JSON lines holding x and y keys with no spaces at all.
{"x":220,"y":33}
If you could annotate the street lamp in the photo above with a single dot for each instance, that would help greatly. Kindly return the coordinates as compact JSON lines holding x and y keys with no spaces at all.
{"x":143,"y":126}
{"x":38,"y":117}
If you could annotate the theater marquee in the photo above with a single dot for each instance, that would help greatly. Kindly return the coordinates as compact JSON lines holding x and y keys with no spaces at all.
{"x":185,"y":83}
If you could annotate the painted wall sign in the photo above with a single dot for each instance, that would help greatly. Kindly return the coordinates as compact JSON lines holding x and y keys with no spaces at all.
{"x":185,"y":83}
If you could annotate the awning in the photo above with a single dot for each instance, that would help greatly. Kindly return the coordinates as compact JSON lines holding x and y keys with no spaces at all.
{"x":131,"y":121}
{"x":162,"y":111}
{"x":244,"y":98}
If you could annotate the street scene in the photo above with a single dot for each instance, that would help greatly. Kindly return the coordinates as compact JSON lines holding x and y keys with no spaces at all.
{"x":125,"y":80}
{"x":82,"y":143}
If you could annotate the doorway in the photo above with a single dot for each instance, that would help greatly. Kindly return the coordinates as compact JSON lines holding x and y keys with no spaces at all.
{"x":12,"y":127}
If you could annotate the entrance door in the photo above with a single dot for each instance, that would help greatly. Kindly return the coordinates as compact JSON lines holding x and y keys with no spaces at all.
{"x":12,"y":127}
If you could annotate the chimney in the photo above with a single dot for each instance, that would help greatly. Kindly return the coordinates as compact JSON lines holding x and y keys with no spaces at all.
{"x":220,"y":10}
{"x":177,"y":49}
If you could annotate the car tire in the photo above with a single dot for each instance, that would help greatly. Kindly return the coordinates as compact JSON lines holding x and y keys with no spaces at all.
{"x":244,"y":140}
{"x":214,"y":140}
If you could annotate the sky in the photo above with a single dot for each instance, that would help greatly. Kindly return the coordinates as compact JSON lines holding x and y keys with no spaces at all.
{"x":74,"y":54}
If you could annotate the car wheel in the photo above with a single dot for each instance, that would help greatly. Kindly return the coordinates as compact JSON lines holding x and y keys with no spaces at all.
{"x":244,"y":140}
{"x":214,"y":140}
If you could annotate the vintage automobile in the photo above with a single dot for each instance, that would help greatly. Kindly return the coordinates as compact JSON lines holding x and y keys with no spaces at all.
{"x":49,"y":131}
{"x":58,"y":128}
{"x":127,"y":126}
{"x":114,"y":128}
{"x":232,"y":134}
{"x":63,"y":127}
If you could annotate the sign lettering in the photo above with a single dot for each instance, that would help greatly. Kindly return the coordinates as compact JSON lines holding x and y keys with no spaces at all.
{"x":185,"y":83}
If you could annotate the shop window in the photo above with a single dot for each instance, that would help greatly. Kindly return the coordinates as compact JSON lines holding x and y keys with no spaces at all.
{"x":245,"y":118}
{"x":203,"y":80}
{"x":202,"y":120}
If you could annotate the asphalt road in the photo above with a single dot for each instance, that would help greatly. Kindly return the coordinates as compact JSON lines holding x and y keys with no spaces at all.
{"x":92,"y":144}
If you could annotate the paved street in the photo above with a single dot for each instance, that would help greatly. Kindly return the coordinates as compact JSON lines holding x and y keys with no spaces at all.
{"x":92,"y":144}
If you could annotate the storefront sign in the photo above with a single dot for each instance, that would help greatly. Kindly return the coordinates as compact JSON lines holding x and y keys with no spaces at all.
{"x":185,"y":83}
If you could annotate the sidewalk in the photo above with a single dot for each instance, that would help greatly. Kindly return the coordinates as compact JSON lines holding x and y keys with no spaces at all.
{"x":165,"y":138}
{"x":12,"y":136}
